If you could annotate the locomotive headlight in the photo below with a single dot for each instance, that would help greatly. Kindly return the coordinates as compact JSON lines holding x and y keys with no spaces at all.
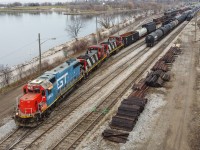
{"x":17,"y":114}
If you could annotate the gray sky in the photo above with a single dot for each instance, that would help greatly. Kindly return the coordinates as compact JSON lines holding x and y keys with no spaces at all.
{"x":29,"y":1}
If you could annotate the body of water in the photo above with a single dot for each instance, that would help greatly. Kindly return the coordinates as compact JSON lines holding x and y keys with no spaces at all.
{"x":19,"y":33}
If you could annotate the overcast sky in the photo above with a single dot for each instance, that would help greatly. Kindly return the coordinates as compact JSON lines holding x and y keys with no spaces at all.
{"x":28,"y":1}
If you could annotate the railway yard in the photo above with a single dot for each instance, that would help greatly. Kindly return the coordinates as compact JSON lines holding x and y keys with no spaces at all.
{"x":170,"y":119}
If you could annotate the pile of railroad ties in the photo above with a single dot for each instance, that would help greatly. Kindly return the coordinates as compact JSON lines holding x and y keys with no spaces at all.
{"x":130,"y":109}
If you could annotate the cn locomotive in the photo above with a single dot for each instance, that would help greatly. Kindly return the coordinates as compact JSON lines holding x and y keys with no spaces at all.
{"x":41,"y":94}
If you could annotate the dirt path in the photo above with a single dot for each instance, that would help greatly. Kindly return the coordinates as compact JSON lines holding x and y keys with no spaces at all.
{"x":171,"y":130}
{"x":7,"y":103}
{"x":171,"y":119}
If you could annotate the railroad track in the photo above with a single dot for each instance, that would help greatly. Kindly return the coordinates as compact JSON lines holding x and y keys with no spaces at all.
{"x":77,"y":133}
{"x":21,"y":134}
{"x":52,"y":124}
{"x":12,"y":138}
{"x":24,"y":135}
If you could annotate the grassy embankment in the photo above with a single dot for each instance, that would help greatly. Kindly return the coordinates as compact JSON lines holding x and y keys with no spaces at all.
{"x":65,"y":9}
{"x":30,"y":8}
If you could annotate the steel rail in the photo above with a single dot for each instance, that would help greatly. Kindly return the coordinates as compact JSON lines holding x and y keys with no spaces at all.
{"x":81,"y":100}
{"x":90,"y":120}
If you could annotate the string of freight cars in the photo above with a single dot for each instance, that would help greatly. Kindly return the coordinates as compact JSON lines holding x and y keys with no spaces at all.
{"x":41,"y":94}
{"x":168,"y":26}
{"x":169,"y":15}
{"x":129,"y":110}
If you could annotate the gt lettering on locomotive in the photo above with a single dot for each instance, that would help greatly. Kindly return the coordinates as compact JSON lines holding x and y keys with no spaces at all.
{"x":62,"y":81}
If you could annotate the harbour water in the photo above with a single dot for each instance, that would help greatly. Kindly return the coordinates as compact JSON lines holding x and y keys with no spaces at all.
{"x":19,"y":33}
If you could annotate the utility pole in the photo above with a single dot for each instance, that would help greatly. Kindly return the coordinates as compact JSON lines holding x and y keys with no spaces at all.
{"x":40,"y":55}
{"x":40,"y":67}
{"x":118,"y":22}
{"x":96,"y":29}
{"x":196,"y":27}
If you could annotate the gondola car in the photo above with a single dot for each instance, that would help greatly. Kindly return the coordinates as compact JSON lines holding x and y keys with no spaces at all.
{"x":130,"y":37}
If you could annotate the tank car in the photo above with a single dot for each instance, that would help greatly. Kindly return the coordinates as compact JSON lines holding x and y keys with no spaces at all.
{"x":168,"y":27}
{"x":142,"y":32}
{"x":153,"y":37}
{"x":164,"y":30}
{"x":173,"y":24}
{"x":190,"y":16}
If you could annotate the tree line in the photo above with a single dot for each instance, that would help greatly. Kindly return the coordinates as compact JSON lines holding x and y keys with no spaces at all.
{"x":18,"y":4}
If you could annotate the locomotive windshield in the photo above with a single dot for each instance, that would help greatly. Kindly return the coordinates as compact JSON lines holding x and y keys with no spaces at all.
{"x":32,"y":89}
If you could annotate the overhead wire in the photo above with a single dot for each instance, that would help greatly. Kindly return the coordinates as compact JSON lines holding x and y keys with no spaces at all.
{"x":16,"y":50}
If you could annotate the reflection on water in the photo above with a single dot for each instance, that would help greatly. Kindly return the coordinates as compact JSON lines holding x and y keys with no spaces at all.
{"x":19,"y":32}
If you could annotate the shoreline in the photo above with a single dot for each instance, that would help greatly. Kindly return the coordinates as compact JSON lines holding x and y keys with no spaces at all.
{"x":58,"y":52}
{"x":63,"y":10}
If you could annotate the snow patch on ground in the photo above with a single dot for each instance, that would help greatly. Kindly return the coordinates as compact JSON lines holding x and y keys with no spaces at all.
{"x":146,"y":122}
{"x":7,"y":128}
{"x":141,"y":132}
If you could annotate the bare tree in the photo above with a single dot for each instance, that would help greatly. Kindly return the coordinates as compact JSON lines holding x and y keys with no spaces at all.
{"x":6,"y":74}
{"x":80,"y":45}
{"x":20,"y":70}
{"x":74,"y":28}
{"x":106,"y":20}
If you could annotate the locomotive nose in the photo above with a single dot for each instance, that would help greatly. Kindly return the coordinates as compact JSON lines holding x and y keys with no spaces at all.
{"x":28,"y":103}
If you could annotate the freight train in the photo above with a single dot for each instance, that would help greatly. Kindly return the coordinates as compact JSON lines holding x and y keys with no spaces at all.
{"x":43,"y":93}
{"x":154,"y":37}
{"x":169,"y":15}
